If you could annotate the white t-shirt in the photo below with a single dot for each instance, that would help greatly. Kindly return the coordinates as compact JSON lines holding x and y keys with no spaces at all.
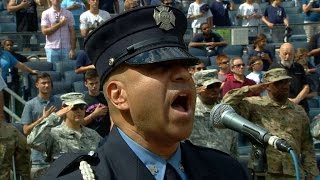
{"x":89,"y":20}
{"x":246,"y":9}
{"x":194,"y":9}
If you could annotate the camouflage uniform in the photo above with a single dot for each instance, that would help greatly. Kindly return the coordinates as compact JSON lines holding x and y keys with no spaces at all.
{"x":204,"y":134}
{"x":288,"y":121}
{"x":13,"y":143}
{"x":315,"y":127}
{"x":54,"y":139}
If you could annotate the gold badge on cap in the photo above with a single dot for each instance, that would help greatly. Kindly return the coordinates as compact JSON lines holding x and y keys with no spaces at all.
{"x":164,"y":17}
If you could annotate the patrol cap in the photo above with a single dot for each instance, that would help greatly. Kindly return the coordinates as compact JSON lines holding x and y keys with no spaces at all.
{"x":72,"y":98}
{"x":206,"y":77}
{"x":144,"y":35}
{"x":275,"y":74}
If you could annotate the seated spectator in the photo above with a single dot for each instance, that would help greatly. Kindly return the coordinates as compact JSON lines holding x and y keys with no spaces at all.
{"x":223,"y":63}
{"x":199,"y":13}
{"x":208,"y":40}
{"x":314,"y":48}
{"x":301,"y":57}
{"x":83,"y":63}
{"x":237,"y":79}
{"x":259,"y":50}
{"x":275,"y":15}
{"x":61,"y":132}
{"x":204,"y":134}
{"x":220,"y":12}
{"x":97,"y":112}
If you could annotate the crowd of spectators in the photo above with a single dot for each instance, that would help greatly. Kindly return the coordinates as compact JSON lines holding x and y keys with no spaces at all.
{"x":85,"y":115}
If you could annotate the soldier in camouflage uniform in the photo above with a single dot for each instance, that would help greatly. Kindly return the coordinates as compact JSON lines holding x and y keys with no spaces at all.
{"x":70,"y":136}
{"x":203,"y":133}
{"x":13,"y":143}
{"x":282,"y":118}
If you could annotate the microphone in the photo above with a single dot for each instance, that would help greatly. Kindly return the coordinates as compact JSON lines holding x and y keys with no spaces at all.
{"x":224,"y":116}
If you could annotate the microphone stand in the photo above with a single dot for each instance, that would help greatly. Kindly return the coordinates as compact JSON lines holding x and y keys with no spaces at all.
{"x":259,"y":162}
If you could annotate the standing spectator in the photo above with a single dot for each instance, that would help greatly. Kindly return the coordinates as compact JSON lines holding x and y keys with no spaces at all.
{"x":151,"y":98}
{"x":13,"y":145}
{"x":237,"y":79}
{"x":209,"y":41}
{"x":274,"y":16}
{"x":61,"y":132}
{"x":283,"y":119}
{"x":92,"y":18}
{"x":259,"y":45}
{"x":199,"y":13}
{"x":301,"y":57}
{"x":223,"y":61}
{"x":250,"y":14}
{"x":26,"y":17}
{"x":111,"y":6}
{"x":97,"y":112}
{"x":35,"y":111}
{"x":57,"y":24}
{"x":311,"y":9}
{"x":255,"y":68}
{"x":220,"y":12}
{"x":77,"y":7}
{"x":7,"y":62}
{"x":314,"y":48}
{"x":8,"y":46}
{"x":203,"y":134}
{"x":299,"y":87}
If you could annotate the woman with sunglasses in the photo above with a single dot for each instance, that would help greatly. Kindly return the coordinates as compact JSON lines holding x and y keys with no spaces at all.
{"x":62,"y":132}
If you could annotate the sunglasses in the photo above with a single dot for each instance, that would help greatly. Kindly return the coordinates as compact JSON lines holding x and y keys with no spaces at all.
{"x":78,"y":106}
{"x":239,"y":65}
{"x":224,"y":62}
{"x":57,"y":17}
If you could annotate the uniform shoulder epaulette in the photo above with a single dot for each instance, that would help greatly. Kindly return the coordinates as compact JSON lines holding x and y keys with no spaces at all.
{"x":79,"y":161}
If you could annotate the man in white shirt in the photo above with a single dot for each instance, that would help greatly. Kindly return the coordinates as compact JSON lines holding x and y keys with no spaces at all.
{"x":92,"y":18}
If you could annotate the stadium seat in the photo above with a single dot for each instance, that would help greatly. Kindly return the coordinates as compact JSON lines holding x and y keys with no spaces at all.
{"x":204,"y":59}
{"x":64,"y":66}
{"x":233,"y":50}
{"x":8,"y":27}
{"x":197,"y":52}
{"x":79,"y":86}
{"x":39,"y":65}
{"x":71,"y":76}
{"x":61,"y":87}
{"x":300,"y":44}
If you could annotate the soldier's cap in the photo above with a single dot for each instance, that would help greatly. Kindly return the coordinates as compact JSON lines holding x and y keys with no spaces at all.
{"x":144,"y":35}
{"x":275,"y":74}
{"x":72,"y":98}
{"x":206,"y":77}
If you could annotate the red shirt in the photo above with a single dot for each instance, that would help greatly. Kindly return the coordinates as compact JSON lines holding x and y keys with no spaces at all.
{"x":232,"y":83}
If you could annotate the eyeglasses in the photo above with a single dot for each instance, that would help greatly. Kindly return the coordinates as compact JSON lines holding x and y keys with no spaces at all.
{"x":239,"y":65}
{"x":78,"y":106}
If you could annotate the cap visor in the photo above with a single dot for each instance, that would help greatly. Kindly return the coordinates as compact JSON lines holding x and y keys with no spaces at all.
{"x":79,"y":101}
{"x":163,"y":54}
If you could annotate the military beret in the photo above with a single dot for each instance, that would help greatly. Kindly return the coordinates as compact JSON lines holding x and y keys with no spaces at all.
{"x":144,"y":35}
{"x":275,"y":74}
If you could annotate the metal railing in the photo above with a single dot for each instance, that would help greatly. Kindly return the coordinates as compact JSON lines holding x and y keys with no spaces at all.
{"x":11,"y":110}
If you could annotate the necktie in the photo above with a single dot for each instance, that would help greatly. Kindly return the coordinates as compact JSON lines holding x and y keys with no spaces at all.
{"x":171,"y":173}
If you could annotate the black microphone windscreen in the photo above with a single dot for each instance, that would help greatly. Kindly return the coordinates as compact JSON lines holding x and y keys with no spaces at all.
{"x":216,"y":114}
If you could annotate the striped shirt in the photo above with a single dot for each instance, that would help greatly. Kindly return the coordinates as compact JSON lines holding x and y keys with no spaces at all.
{"x":60,"y":38}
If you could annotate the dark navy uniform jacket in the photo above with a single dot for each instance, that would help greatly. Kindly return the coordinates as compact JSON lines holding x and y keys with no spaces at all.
{"x":115,"y":160}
